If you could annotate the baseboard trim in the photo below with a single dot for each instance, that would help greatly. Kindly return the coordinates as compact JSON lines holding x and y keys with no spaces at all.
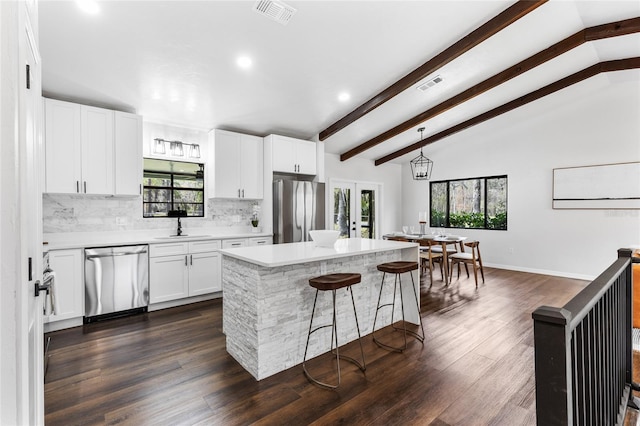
{"x":541,"y":271}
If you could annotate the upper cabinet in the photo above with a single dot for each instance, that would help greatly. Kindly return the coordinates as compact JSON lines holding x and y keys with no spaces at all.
{"x":128,"y":153}
{"x":293,"y":155}
{"x":96,"y":125}
{"x":91,"y":150}
{"x":63,"y":154}
{"x":235,"y":165}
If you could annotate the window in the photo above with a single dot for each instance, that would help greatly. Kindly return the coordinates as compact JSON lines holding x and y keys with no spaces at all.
{"x":479,"y":203}
{"x":172,"y":185}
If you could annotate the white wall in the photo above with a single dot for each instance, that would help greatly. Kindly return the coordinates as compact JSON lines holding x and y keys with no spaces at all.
{"x":561,"y":130}
{"x":362,"y":170}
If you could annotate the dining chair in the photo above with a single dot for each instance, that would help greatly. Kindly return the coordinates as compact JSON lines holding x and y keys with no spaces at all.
{"x":466,"y":257}
{"x":428,"y":256}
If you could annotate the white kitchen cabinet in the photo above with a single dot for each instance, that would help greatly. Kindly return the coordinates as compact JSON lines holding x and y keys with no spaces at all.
{"x":91,"y":150}
{"x":63,"y":154}
{"x":69,"y":284}
{"x":168,"y":278}
{"x":127,"y":153}
{"x":184,"y":269}
{"x":259,"y":241}
{"x":235,"y":243}
{"x":292,"y":155}
{"x":97,"y":150}
{"x":235,"y":165}
{"x":205,"y":273}
{"x":246,"y":242}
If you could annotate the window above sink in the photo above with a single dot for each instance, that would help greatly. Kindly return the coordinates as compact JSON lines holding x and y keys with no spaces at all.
{"x":172,"y":185}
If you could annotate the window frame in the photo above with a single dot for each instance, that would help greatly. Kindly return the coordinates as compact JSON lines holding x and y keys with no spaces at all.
{"x":447,"y":221}
{"x":171,"y":189}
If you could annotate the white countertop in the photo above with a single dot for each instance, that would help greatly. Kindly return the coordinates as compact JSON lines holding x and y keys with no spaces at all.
{"x":71,"y":240}
{"x":294,"y":253}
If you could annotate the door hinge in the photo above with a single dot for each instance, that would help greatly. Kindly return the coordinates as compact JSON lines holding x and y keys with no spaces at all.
{"x":28,"y":76}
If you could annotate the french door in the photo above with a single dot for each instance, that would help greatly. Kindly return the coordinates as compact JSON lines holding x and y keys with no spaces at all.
{"x":353,"y":208}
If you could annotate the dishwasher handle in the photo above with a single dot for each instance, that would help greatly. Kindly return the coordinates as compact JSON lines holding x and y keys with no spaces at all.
{"x":123,"y":253}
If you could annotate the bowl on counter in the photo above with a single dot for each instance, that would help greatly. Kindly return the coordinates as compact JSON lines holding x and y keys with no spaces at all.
{"x":324,"y":237}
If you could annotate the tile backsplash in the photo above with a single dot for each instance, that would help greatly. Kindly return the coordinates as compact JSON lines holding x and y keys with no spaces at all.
{"x":90,"y":213}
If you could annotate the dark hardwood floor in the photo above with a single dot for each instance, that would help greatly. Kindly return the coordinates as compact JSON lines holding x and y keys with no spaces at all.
{"x":170,"y":367}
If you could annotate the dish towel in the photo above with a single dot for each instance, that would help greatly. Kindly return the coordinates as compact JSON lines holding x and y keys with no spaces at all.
{"x":49,"y":306}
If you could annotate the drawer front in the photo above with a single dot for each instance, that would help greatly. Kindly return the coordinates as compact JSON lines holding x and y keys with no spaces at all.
{"x":240,"y":242}
{"x":260,"y":241}
{"x":204,"y":246}
{"x":168,"y":249}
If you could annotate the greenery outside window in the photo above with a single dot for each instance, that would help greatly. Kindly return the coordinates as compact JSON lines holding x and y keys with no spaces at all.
{"x":479,"y":203}
{"x":172,"y":185}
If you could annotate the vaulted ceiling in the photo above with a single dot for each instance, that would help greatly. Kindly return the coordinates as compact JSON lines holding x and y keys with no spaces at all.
{"x":174,"y":62}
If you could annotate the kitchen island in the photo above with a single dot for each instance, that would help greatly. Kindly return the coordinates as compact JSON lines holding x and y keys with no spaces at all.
{"x":267,"y":298}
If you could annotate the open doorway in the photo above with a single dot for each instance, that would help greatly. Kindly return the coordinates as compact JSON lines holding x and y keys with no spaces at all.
{"x":353,"y":208}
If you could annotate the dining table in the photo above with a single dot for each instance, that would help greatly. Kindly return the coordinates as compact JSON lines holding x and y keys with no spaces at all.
{"x":443,"y":240}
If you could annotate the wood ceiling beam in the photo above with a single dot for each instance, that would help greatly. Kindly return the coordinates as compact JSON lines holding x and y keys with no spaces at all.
{"x":608,"y":66}
{"x":491,"y":27}
{"x":613,"y":29}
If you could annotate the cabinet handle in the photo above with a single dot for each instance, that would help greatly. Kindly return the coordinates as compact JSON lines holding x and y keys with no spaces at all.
{"x":78,"y":186}
{"x":140,"y":189}
{"x":238,"y":193}
{"x":243,"y":193}
{"x":85,"y":186}
{"x":191,"y":259}
{"x":186,"y":263}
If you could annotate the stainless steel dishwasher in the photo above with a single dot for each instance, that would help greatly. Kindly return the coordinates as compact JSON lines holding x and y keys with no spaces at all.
{"x":116,"y":281}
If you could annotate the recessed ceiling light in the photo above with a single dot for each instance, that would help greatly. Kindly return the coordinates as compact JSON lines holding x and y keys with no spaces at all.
{"x":344,"y":97}
{"x":89,"y":6}
{"x":244,"y":62}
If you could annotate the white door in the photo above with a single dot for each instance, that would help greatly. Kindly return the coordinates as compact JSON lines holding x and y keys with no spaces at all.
{"x":31,"y":223}
{"x":353,"y":207}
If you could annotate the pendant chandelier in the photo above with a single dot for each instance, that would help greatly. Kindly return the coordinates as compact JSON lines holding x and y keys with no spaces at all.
{"x":421,"y":166}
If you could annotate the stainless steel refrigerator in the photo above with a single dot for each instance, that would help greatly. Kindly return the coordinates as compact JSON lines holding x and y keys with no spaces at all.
{"x":298,"y":207}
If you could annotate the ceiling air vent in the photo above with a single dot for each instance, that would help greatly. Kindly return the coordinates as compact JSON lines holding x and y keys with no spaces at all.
{"x":276,"y":10}
{"x":430,"y":83}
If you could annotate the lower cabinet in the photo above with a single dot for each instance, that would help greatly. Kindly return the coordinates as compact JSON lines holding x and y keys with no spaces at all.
{"x":69,"y":284}
{"x":244,"y":242}
{"x":184,"y":269}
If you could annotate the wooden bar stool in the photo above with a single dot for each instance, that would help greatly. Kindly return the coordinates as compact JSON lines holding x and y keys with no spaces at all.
{"x":333,"y":282}
{"x":397,"y":268}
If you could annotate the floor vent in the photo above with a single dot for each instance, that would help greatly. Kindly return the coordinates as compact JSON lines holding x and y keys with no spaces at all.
{"x":430,"y":83}
{"x":276,"y":10}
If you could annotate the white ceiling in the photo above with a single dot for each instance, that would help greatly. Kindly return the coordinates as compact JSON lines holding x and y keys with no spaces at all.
{"x":174,"y":61}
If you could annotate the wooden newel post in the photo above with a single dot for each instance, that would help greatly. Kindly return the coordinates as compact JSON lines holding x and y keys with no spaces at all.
{"x":552,"y":364}
{"x":625,"y":253}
